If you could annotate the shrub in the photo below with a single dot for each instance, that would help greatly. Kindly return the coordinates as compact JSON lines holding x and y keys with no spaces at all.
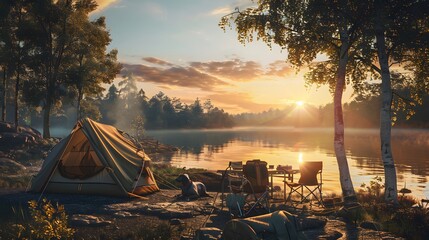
{"x":45,"y":221}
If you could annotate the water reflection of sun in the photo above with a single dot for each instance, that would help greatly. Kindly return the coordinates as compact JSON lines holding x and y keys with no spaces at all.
{"x":300,"y":157}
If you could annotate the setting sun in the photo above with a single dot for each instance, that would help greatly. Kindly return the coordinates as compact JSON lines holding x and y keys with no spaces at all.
{"x":299,"y":103}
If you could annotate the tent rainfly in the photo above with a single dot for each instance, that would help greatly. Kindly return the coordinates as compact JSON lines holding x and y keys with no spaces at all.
{"x":95,"y":159}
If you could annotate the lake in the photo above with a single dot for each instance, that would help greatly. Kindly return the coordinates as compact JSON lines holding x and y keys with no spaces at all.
{"x":213,"y":149}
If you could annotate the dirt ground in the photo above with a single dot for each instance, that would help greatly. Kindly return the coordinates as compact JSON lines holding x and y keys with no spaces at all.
{"x":172,"y":216}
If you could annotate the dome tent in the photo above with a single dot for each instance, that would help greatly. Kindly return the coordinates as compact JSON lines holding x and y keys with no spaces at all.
{"x":95,"y":159}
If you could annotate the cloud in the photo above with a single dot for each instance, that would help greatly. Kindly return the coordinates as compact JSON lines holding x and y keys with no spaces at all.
{"x":102,"y":4}
{"x":153,"y":8}
{"x":221,"y":11}
{"x":239,"y":4}
{"x":235,"y":69}
{"x":279,"y":68}
{"x":157,"y":61}
{"x":176,"y":76}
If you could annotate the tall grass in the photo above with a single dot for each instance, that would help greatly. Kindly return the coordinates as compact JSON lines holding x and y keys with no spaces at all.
{"x":38,"y":221}
{"x":409,"y":219}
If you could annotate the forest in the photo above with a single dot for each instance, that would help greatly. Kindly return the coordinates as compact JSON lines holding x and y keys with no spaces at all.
{"x":55,"y":66}
{"x":128,"y":107}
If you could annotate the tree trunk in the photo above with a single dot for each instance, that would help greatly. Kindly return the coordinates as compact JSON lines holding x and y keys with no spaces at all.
{"x":345,"y":179}
{"x":16,"y":99}
{"x":79,"y":99}
{"x":3,"y":106}
{"x":46,"y":122}
{"x":391,"y":190}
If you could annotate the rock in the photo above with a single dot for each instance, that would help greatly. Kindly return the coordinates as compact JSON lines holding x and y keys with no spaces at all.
{"x":208,"y":233}
{"x":22,"y":156}
{"x":286,"y":207}
{"x":88,"y":220}
{"x":29,"y":131}
{"x":328,"y":202}
{"x":176,"y":214}
{"x":7,"y":127}
{"x":12,"y":140}
{"x":186,"y":237}
{"x":331,"y":236}
{"x":9,"y":166}
{"x":370,"y":225}
{"x":176,"y":221}
{"x":312,"y":222}
{"x":124,"y":214}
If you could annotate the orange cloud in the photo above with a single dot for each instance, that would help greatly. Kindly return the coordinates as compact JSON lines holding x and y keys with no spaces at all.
{"x":232,"y":69}
{"x":280,"y":69}
{"x":157,"y":61}
{"x":102,"y":4}
{"x":175,"y":76}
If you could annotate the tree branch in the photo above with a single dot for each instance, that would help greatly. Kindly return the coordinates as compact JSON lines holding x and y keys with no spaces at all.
{"x":403,"y":98}
{"x":373,"y":66}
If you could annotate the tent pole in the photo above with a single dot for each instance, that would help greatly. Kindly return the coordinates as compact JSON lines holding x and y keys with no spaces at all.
{"x":47,"y":182}
{"x":141,"y":171}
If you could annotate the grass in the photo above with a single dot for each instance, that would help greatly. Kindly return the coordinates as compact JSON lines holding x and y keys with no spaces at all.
{"x":409,"y":219}
{"x":166,"y":175}
{"x":37,"y":221}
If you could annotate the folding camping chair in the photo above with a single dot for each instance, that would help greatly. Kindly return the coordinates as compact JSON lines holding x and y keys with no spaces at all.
{"x":232,"y":179}
{"x":252,"y":192}
{"x":311,"y":180}
{"x":257,"y":185}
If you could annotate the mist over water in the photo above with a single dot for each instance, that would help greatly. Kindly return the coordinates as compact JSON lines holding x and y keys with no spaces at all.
{"x":213,"y":149}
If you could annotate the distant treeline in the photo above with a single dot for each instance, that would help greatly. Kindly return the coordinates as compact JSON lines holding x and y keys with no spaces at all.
{"x":128,"y":108}
{"x":360,"y":113}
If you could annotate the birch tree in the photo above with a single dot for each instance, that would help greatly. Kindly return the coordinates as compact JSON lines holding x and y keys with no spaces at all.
{"x":306,"y":29}
{"x":400,"y":20}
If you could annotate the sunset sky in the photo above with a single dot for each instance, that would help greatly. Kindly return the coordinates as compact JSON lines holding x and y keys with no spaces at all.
{"x":177,"y":47}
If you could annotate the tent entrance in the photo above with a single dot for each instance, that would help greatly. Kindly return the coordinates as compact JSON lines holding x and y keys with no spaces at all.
{"x":79,"y":160}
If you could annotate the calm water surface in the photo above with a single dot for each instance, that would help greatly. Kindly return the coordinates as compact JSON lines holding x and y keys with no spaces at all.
{"x":213,"y":149}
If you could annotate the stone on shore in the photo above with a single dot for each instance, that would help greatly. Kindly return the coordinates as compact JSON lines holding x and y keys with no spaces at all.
{"x":88,"y":220}
{"x":9,"y":166}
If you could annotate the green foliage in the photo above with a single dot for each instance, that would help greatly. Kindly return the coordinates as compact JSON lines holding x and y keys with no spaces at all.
{"x":407,"y":220}
{"x":54,"y":51}
{"x":45,"y":221}
{"x":49,"y":221}
{"x":412,"y":223}
{"x":375,"y":187}
{"x":170,"y":173}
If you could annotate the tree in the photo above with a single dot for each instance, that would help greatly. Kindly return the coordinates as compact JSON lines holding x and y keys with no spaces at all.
{"x":88,"y":49}
{"x":89,"y":65}
{"x":52,"y":39}
{"x":399,"y":36}
{"x":4,"y":34}
{"x":306,"y":29}
{"x":197,"y":112}
{"x":15,"y":47}
{"x":130,"y":109}
{"x":109,"y":103}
